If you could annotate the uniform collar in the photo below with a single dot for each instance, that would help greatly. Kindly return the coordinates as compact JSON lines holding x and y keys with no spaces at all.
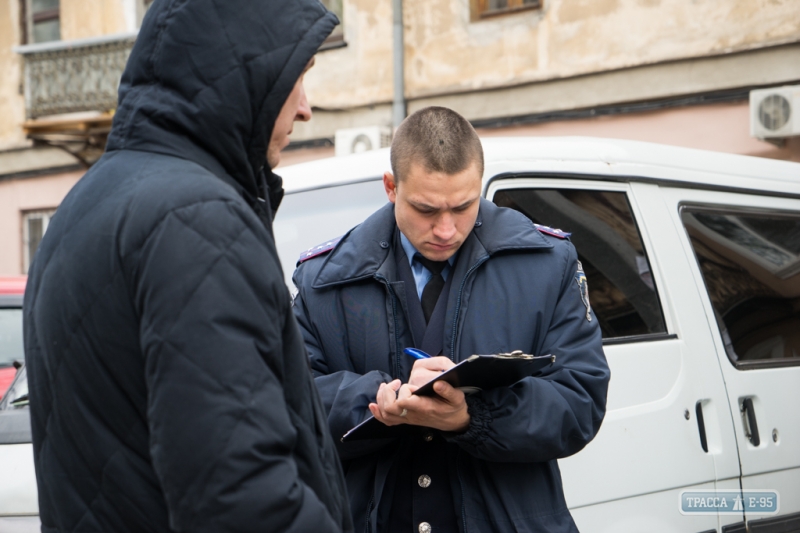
{"x":364,"y":251}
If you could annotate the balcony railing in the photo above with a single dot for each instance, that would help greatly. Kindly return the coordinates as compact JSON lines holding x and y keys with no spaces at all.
{"x":71,"y":76}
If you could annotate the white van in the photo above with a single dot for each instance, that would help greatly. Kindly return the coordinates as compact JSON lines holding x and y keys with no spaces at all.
{"x":693,"y":263}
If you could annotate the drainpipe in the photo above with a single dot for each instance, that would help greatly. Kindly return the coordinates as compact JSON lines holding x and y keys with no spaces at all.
{"x":399,"y":103}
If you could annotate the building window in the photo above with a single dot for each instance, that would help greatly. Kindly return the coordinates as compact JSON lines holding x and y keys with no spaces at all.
{"x":336,"y":38}
{"x":34,"y":224}
{"x":42,"y":20}
{"x":488,"y":8}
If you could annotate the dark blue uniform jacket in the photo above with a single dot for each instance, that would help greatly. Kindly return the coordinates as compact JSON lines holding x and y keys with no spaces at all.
{"x":169,"y":384}
{"x":513,"y":289}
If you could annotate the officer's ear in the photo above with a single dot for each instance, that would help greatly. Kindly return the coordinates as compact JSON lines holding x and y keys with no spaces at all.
{"x":390,"y":186}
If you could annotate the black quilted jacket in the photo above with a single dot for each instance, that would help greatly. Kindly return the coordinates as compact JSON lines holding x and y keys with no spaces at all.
{"x":169,"y":384}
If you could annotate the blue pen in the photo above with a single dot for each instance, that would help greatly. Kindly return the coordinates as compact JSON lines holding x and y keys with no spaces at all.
{"x":416,"y":354}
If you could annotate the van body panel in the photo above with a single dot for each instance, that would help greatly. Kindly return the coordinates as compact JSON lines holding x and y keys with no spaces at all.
{"x":685,"y":309}
{"x":774,"y":392}
{"x":655,"y":512}
{"x":578,"y":155}
{"x":653,"y":385}
{"x":18,"y":485}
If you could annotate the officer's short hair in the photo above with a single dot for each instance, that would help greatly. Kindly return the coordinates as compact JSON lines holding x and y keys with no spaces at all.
{"x":437,"y":138}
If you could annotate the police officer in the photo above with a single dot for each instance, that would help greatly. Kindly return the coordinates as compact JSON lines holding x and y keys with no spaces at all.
{"x":439,"y":268}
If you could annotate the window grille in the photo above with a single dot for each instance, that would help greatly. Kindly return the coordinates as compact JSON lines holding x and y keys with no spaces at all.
{"x":34,"y":225}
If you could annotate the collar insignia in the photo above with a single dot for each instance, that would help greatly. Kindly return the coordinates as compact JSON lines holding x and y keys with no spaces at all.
{"x":316,"y":251}
{"x":553,"y":232}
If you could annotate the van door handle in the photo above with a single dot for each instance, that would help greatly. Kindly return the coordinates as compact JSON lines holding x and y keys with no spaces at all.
{"x":752,"y":425}
{"x":698,"y":410}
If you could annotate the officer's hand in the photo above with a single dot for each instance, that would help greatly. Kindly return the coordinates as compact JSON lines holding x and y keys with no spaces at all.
{"x":446,"y":412}
{"x":425,"y":370}
{"x":385,"y":408}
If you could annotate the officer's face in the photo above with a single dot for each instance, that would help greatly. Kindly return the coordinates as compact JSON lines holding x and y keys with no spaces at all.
{"x":435,"y":211}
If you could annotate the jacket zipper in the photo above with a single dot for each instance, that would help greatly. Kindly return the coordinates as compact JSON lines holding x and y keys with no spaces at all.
{"x":461,"y":484}
{"x":458,"y":302}
{"x":453,"y":344}
{"x":396,"y":362}
{"x":368,"y":527}
{"x":452,"y":357}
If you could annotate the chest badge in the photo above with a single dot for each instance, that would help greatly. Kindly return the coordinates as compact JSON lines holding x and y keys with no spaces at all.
{"x":583,"y":286}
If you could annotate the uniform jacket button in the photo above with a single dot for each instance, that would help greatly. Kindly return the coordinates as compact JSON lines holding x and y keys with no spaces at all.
{"x":428,"y":437}
{"x":384,"y":244}
{"x":424,"y":481}
{"x":424,"y":527}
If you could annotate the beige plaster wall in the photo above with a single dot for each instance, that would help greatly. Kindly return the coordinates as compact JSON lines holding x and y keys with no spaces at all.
{"x":294,"y":157}
{"x":446,"y":52}
{"x":91,"y":18}
{"x":360,"y":73}
{"x":12,"y":103}
{"x":19,"y":195}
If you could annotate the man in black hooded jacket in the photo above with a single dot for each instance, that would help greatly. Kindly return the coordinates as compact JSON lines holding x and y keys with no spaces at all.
{"x":169,"y":384}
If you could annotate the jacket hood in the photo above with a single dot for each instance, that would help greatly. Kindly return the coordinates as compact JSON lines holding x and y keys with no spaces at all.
{"x":363,"y":250}
{"x":207,"y":78}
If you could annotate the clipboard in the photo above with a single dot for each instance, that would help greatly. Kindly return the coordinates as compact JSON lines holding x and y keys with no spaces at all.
{"x":471,"y":375}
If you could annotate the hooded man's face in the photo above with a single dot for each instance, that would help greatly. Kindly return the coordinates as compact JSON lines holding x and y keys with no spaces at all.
{"x":295,"y":108}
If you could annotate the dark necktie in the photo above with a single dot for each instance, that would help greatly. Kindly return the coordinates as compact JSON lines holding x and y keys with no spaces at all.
{"x":432,"y":290}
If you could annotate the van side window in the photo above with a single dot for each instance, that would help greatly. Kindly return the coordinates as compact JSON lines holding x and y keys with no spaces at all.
{"x":750,"y":263}
{"x":307,"y":218}
{"x":621,"y":288}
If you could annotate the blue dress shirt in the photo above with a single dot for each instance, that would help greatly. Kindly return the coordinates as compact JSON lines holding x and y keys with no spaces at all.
{"x":421,"y":274}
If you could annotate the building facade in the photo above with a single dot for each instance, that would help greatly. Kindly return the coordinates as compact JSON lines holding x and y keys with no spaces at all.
{"x":60,"y":63}
{"x":671,"y":71}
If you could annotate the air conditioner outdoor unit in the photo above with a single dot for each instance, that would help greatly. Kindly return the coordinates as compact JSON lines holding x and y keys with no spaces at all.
{"x":356,"y":140}
{"x":775,"y":112}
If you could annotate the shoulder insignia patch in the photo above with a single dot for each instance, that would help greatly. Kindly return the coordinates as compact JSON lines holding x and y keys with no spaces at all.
{"x":316,"y":251}
{"x":553,"y":232}
{"x":583,"y":286}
